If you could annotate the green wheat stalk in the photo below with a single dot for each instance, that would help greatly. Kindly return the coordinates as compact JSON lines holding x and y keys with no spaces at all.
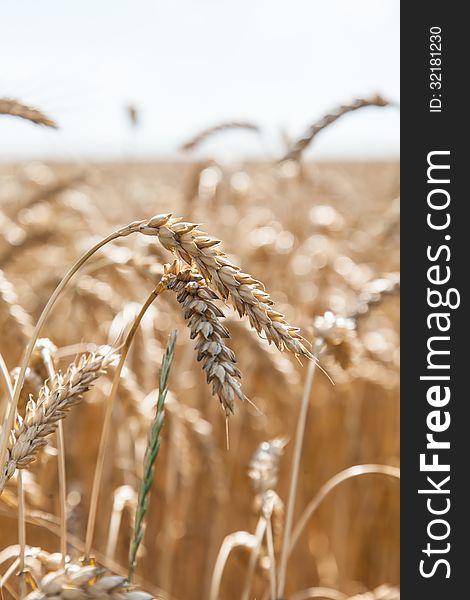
{"x":150,"y":455}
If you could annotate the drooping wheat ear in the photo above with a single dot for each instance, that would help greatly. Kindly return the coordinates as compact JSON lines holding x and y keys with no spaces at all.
{"x":264,"y":465}
{"x":150,"y":455}
{"x":247,"y":295}
{"x":9,"y":106}
{"x":78,"y":582}
{"x":375,"y":293}
{"x":56,"y":397}
{"x":299,"y":146}
{"x":210,"y":131}
{"x":339,"y":337}
{"x":264,"y":474}
{"x":203,"y":319}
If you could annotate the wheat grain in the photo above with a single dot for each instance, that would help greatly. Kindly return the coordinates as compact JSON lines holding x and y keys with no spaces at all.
{"x":56,"y":397}
{"x":14,"y":108}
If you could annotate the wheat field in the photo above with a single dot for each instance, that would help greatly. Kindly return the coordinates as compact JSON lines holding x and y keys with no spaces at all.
{"x":199,"y":491}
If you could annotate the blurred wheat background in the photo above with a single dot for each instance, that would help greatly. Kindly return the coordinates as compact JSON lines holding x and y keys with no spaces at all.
{"x":323,"y":238}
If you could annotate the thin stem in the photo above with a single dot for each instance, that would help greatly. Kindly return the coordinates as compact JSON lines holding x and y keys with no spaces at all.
{"x":21,"y":534}
{"x":122,"y":497}
{"x":107,"y":422}
{"x":259,"y":535}
{"x":5,"y":375}
{"x":349,"y":473}
{"x":10,"y":418}
{"x":62,"y":491}
{"x":114,"y":526}
{"x":51,"y":373}
{"x":299,"y":438}
{"x":8,"y":573}
{"x":272,"y":557}
{"x":232,"y":541}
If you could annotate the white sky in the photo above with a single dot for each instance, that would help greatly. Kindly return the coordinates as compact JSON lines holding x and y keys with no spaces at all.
{"x":189,"y":64}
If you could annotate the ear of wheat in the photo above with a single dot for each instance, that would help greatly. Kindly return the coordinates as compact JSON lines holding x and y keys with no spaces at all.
{"x":206,"y":133}
{"x":55,"y":399}
{"x":79,"y":582}
{"x":300,"y":145}
{"x":264,"y":465}
{"x":339,"y":337}
{"x":248,"y":297}
{"x":375,"y":292}
{"x":203,"y":319}
{"x":14,"y":108}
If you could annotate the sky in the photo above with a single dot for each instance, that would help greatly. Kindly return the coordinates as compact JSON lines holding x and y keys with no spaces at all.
{"x":190,"y":64}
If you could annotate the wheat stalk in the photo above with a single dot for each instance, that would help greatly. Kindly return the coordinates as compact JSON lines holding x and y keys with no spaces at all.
{"x":331,"y":484}
{"x":151,"y":455}
{"x":14,"y":108}
{"x":56,"y":397}
{"x":210,"y":131}
{"x":301,"y":144}
{"x":295,"y":469}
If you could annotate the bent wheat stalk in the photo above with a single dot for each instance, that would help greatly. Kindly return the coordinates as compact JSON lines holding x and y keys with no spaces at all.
{"x":330,"y":485}
{"x":10,"y":417}
{"x":95,"y":490}
{"x":299,"y":439}
{"x":232,"y":541}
